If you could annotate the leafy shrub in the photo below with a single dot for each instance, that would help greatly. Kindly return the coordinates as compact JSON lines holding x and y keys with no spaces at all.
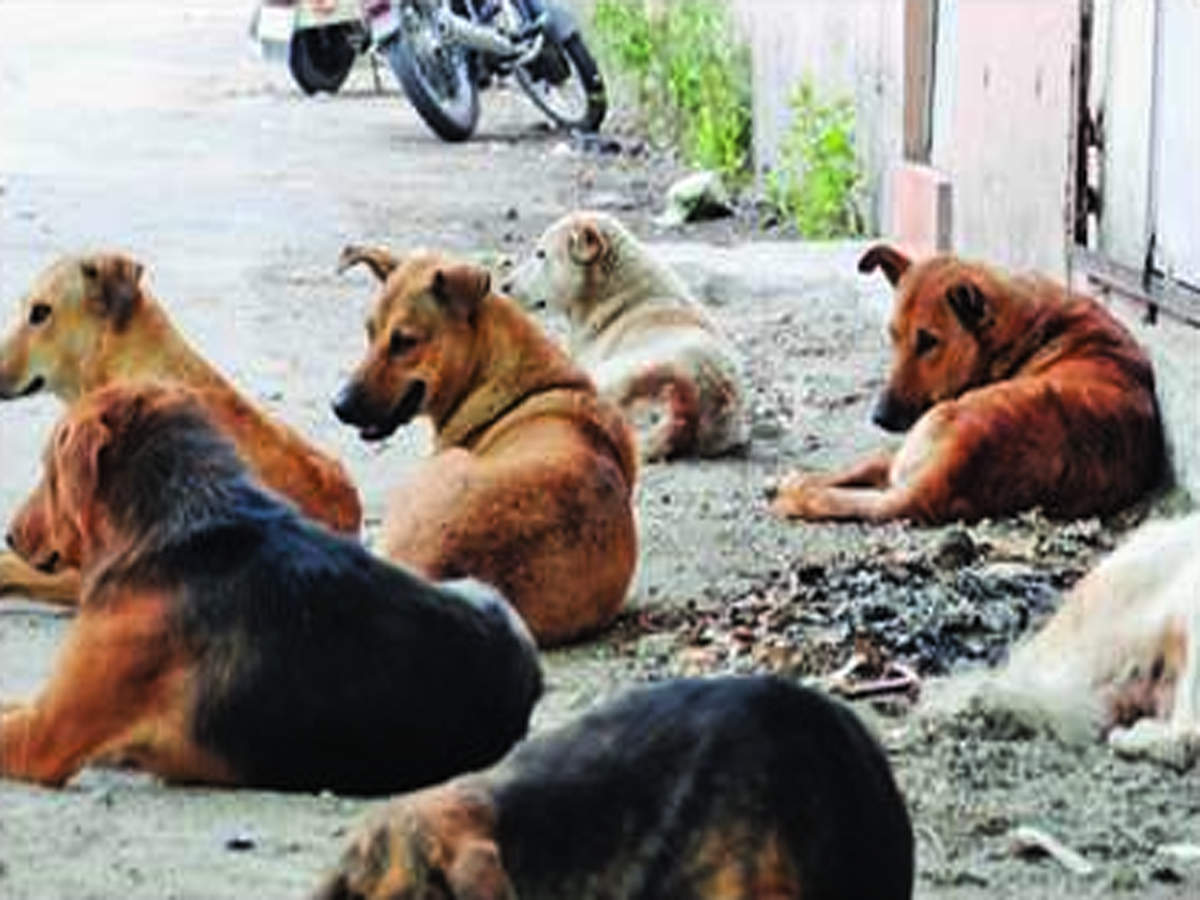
{"x":817,"y":181}
{"x":690,"y":74}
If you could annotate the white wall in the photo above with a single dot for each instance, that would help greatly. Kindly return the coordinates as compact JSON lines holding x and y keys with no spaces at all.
{"x":852,"y":49}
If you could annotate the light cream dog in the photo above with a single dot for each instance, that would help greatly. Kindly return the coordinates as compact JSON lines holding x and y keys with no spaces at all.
{"x":1120,"y":658}
{"x":635,"y":328}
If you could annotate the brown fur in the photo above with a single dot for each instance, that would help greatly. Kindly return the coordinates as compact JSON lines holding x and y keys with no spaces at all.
{"x":531,"y":485}
{"x":1022,"y":395}
{"x":102,"y":325}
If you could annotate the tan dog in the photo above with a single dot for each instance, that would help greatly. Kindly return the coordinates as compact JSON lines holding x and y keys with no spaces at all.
{"x":649,"y":346}
{"x":1120,"y":658}
{"x":1018,"y":394}
{"x":532,"y":483}
{"x":89,"y":321}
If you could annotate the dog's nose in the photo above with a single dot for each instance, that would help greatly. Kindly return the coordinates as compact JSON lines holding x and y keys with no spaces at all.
{"x":891,"y":414}
{"x":10,"y":540}
{"x":348,"y":404}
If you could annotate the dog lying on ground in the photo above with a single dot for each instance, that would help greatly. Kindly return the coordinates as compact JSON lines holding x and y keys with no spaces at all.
{"x":708,"y":788}
{"x":636,"y":329}
{"x":89,"y":321}
{"x":1022,"y":395}
{"x":531,"y":487}
{"x":1120,"y":658}
{"x":222,"y":638}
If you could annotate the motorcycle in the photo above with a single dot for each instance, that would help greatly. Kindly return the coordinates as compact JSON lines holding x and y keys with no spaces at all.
{"x":442,"y":52}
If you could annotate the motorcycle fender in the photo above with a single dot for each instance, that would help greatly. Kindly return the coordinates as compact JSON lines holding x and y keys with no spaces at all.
{"x":560,"y":23}
{"x":320,"y":13}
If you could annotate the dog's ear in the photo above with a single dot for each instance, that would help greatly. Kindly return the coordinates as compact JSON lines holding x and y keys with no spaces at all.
{"x":77,"y":448}
{"x":886,"y":257}
{"x":476,"y":873}
{"x":379,"y":260}
{"x":586,"y":243}
{"x":113,"y":286}
{"x":969,"y":305}
{"x":461,"y":287}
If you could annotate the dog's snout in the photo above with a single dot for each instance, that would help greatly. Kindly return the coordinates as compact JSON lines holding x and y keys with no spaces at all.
{"x":348,"y":404}
{"x":891,"y":414}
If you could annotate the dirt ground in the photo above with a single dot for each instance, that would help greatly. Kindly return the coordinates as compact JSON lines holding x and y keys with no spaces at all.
{"x":153,"y":128}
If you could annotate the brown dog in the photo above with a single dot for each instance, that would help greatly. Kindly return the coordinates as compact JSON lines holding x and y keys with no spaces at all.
{"x":531,"y":486}
{"x":90,"y":321}
{"x":222,"y":637}
{"x":721,"y":788}
{"x":1022,"y":395}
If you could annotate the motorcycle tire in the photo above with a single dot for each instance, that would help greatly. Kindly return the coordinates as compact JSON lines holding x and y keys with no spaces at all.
{"x":582,"y":66}
{"x":448,"y":122}
{"x":321,"y":58}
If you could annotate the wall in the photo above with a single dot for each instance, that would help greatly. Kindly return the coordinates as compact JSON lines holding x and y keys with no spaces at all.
{"x":1002,"y":106}
{"x":849,"y":48}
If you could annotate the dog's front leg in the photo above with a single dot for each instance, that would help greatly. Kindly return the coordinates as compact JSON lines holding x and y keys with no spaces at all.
{"x":18,"y":577}
{"x":817,"y":501}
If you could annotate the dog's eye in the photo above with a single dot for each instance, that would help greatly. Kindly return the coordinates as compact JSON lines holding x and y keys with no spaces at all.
{"x":925,"y":341}
{"x":400,"y":343}
{"x":39,"y":313}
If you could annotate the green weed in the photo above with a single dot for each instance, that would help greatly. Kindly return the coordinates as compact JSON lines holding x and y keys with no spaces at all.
{"x":690,"y":76}
{"x":817,"y":180}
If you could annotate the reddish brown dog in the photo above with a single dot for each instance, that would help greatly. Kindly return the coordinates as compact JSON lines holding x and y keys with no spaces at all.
{"x":531,"y":486}
{"x":1018,"y":394}
{"x":89,"y":321}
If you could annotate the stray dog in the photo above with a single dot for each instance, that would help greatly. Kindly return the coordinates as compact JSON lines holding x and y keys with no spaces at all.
{"x":531,"y":487}
{"x":708,"y":788}
{"x":90,"y":321}
{"x":223,"y":638}
{"x":649,"y":346}
{"x":1120,"y":658}
{"x":1022,"y":395}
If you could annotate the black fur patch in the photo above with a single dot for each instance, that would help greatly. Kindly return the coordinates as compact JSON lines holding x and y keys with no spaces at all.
{"x":318,"y":666}
{"x":621,"y":803}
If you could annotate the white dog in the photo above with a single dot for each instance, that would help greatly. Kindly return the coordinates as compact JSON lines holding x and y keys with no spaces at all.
{"x":1120,"y":658}
{"x":647,"y":344}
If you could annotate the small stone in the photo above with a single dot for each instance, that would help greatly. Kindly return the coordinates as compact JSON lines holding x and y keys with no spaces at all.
{"x":511,"y":214}
{"x":956,"y":549}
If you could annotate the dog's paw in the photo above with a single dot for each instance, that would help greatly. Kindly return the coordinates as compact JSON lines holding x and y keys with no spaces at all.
{"x":1157,"y":741}
{"x":11,"y":571}
{"x":788,"y":494}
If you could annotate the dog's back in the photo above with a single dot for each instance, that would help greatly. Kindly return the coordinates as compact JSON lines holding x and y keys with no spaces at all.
{"x":725,"y":787}
{"x":312,"y":664}
{"x":323,"y":667}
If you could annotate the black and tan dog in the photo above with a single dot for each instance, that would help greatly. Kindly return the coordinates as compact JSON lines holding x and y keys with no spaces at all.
{"x":531,"y":487}
{"x":1015,"y":393}
{"x":711,"y":788}
{"x":90,"y":321}
{"x":222,"y":638}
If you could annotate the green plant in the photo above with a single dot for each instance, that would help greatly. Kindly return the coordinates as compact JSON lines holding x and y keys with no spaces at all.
{"x":817,"y":180}
{"x":690,"y":76}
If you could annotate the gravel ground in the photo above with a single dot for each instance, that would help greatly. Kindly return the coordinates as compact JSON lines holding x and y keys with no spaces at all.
{"x":150,"y":127}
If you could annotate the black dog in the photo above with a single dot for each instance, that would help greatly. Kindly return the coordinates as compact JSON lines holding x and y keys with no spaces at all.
{"x":721,"y":788}
{"x":223,"y":638}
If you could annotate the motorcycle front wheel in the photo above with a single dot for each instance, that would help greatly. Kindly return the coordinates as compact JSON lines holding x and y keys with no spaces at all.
{"x":439,"y":84}
{"x":321,"y":58}
{"x":576,"y":98}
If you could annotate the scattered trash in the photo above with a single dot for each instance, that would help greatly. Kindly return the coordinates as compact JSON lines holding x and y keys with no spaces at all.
{"x":1033,"y":843}
{"x":696,"y":198}
{"x":240,"y":841}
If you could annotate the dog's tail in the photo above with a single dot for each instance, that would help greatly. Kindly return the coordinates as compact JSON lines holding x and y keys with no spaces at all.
{"x":662,"y":402}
